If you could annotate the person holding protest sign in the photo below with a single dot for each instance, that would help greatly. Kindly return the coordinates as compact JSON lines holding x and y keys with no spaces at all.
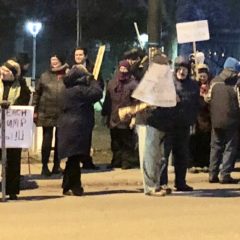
{"x":81,"y":58}
{"x":154,"y":122}
{"x":46,"y":109}
{"x":13,"y":91}
{"x":186,"y":111}
{"x":118,"y":95}
{"x":75,"y":124}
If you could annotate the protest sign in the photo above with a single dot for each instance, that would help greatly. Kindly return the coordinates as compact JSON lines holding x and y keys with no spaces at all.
{"x":157,"y":87}
{"x":19,"y":126}
{"x":98,"y":61}
{"x":192,"y":31}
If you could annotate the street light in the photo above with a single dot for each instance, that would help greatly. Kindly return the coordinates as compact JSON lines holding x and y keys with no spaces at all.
{"x":34,"y":28}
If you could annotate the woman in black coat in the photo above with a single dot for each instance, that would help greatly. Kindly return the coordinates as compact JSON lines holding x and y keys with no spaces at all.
{"x":75,"y":124}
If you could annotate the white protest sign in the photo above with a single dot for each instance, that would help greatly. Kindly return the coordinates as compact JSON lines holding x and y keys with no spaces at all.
{"x":192,"y":31}
{"x":19,"y":126}
{"x":157,"y":87}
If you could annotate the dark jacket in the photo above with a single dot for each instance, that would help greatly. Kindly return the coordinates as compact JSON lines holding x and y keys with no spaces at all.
{"x":76,"y":120}
{"x":224,"y":107}
{"x":187,"y":108}
{"x":117,"y":99}
{"x":46,"y":98}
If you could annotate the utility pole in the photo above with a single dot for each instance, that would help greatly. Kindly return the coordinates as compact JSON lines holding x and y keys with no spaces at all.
{"x":154,"y":11}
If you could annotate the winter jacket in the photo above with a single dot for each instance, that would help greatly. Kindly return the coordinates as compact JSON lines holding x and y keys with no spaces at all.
{"x":117,"y":99}
{"x":46,"y":97}
{"x":224,"y":107}
{"x":76,"y":120}
{"x":187,"y":108}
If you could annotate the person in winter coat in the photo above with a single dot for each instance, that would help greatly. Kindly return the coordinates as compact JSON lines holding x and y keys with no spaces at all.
{"x":14,"y":91}
{"x":201,"y":136}
{"x":118,"y":95}
{"x":186,"y":111}
{"x":47,"y":109}
{"x":225,"y":115}
{"x":81,"y":58}
{"x":75,"y":124}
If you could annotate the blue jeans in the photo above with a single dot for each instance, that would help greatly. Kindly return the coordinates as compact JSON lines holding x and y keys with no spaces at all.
{"x":150,"y":154}
{"x":224,"y":144}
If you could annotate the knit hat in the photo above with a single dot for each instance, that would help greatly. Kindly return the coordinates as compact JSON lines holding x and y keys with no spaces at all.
{"x":124,"y":63}
{"x":232,"y":63}
{"x":203,"y":68}
{"x":13,"y":66}
{"x":181,"y":61}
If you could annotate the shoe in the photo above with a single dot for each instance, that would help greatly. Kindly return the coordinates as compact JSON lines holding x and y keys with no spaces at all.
{"x":205,"y":170}
{"x":13,"y":197}
{"x":213,"y":179}
{"x":126,"y":165}
{"x":159,"y":193}
{"x":73,"y":192}
{"x":45,"y":172}
{"x":89,"y":166}
{"x":166,"y":189}
{"x":184,"y":188}
{"x":228,"y":180}
{"x":57,"y":170}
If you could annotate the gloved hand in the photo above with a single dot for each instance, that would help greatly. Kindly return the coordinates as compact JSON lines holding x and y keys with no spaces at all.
{"x":5,"y":104}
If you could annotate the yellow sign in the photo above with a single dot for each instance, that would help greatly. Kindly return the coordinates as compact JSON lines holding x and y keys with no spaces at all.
{"x":98,"y":62}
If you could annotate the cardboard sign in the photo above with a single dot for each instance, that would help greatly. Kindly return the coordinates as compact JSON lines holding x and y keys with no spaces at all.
{"x":98,"y":61}
{"x":157,"y":87}
{"x":19,"y":127}
{"x":192,"y":31}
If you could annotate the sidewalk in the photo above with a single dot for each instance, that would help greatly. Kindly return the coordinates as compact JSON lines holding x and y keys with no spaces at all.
{"x":118,"y":177}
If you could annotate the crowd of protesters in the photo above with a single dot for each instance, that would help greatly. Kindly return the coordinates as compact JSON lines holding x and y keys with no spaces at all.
{"x":201,"y":130}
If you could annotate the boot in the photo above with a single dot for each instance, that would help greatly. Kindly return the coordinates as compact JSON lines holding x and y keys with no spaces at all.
{"x":56,"y":169}
{"x":45,"y":171}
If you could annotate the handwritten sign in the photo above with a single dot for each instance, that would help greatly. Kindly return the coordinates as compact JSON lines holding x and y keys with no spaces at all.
{"x":19,"y":126}
{"x":157,"y":87}
{"x":192,"y":31}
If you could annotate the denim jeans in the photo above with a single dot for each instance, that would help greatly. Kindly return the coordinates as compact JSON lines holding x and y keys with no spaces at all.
{"x":224,"y":144}
{"x":150,"y":154}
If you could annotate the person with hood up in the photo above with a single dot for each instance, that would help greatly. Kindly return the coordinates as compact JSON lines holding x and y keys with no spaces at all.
{"x":118,"y":95}
{"x":47,"y":109}
{"x":225,"y":115}
{"x":186,"y":111}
